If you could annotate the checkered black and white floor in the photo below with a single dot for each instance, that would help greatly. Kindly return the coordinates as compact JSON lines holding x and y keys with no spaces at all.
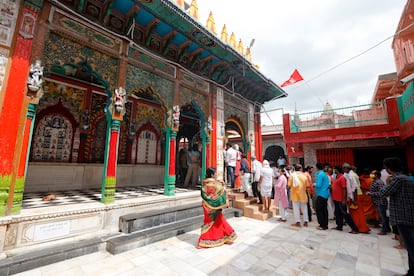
{"x":34,"y":200}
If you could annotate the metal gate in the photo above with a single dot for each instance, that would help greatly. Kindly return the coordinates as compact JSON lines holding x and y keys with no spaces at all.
{"x":335,"y":156}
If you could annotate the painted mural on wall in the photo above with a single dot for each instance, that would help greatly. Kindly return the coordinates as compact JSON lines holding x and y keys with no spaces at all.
{"x":139,"y":78}
{"x":4,"y":59}
{"x":53,"y":139}
{"x":96,"y":136}
{"x":66,"y":57}
{"x":9,"y":10}
{"x":187,"y":95}
{"x":234,"y":109}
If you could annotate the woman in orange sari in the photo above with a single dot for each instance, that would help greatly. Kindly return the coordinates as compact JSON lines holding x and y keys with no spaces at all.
{"x":365,"y":201}
{"x":215,"y":230}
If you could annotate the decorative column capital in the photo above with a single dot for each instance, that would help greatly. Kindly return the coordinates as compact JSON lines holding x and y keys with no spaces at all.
{"x":117,"y":105}
{"x":34,"y":82}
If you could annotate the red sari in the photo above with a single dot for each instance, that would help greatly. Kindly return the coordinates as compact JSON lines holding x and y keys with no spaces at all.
{"x":215,"y":230}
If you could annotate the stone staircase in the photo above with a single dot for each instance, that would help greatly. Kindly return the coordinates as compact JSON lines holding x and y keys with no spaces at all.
{"x":250,"y":207}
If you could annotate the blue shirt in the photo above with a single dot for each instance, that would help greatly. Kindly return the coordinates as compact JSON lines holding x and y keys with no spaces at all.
{"x":322,"y":184}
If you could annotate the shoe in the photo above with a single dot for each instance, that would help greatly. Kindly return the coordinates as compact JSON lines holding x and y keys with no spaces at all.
{"x":353,"y":232}
{"x":305,"y":224}
{"x":336,"y":228}
{"x":321,"y":228}
{"x":297,"y":224}
{"x":382,"y":233}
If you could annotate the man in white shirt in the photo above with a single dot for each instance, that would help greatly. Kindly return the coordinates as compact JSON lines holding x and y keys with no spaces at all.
{"x":256,"y":170}
{"x":231,"y":157}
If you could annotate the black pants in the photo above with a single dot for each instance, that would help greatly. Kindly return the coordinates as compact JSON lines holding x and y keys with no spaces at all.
{"x":341,"y":213}
{"x":256,"y":192}
{"x":322,"y":211}
{"x":407,"y":235}
{"x":309,"y":207}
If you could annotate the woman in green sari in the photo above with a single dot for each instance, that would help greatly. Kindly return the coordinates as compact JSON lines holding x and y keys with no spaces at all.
{"x":215,"y":231}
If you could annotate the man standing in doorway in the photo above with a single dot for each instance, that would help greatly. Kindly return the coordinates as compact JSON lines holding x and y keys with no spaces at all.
{"x":231,"y":159}
{"x":256,"y":170}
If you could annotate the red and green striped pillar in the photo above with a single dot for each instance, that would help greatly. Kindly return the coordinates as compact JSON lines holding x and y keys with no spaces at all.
{"x":110,"y":163}
{"x":170,"y":161}
{"x":12,"y":117}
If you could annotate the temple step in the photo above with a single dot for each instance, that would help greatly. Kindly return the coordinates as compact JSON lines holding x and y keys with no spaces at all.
{"x":250,"y":207}
{"x":145,"y":228}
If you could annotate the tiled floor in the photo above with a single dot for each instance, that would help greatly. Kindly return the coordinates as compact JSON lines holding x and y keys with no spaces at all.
{"x":34,"y":200}
{"x":262,"y":248}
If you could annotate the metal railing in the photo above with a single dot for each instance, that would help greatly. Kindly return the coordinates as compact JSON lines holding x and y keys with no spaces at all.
{"x":331,"y":118}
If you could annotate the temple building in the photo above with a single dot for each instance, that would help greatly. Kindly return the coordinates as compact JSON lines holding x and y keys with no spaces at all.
{"x":363,"y":135}
{"x":105,"y":94}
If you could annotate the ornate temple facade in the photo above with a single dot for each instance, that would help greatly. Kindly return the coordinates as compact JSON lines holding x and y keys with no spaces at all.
{"x":105,"y":94}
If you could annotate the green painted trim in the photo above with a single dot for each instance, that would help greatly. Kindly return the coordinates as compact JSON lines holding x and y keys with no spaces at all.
{"x":170,"y":189}
{"x":108,"y":194}
{"x":36,"y":3}
{"x":5,"y":184}
{"x":18,"y":195}
{"x":167,"y":159}
{"x":31,"y":114}
{"x":203,"y":156}
{"x":106,"y":154}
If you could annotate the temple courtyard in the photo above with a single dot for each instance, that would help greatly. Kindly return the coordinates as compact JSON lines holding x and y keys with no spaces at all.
{"x":262,"y":248}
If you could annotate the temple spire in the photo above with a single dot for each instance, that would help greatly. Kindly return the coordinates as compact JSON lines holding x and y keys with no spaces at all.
{"x":233,"y":40}
{"x":224,"y":34}
{"x":248,"y":54}
{"x":240,"y":47}
{"x":211,"y":25}
{"x":194,"y":10}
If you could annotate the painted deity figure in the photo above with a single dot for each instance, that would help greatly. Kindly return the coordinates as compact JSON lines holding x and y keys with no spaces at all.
{"x":176,"y":115}
{"x":119,"y":99}
{"x":36,"y":76}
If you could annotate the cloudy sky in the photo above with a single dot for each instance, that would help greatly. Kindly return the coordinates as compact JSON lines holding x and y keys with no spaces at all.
{"x":313,"y":37}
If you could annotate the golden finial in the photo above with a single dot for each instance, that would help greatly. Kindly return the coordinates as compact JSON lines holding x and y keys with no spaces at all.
{"x":211,"y":25}
{"x":224,"y":34}
{"x":233,"y":40}
{"x":194,"y":10}
{"x":248,"y":54}
{"x":240,"y":47}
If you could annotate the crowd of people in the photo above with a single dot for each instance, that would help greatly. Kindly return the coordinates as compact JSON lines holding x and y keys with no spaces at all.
{"x":382,"y":198}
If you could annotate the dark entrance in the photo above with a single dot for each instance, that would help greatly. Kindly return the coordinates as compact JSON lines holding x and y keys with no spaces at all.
{"x":188,"y":135}
{"x":272,"y":153}
{"x":372,"y":158}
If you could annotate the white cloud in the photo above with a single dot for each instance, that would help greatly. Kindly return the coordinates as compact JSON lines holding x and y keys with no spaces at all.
{"x":314,"y":36}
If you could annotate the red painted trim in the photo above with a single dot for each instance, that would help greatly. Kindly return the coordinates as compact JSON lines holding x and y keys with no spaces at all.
{"x":303,"y":138}
{"x":258,"y":137}
{"x":171,"y":170}
{"x":212,"y":150}
{"x":111,"y":167}
{"x":13,"y":102}
{"x":407,"y":130}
